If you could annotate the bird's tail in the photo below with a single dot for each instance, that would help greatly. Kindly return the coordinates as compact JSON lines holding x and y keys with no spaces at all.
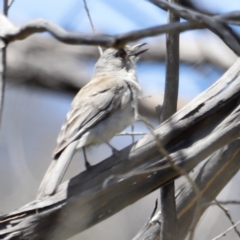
{"x":56,"y":171}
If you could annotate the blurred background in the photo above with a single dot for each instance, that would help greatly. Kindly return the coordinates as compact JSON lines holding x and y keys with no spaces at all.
{"x":43,"y":76}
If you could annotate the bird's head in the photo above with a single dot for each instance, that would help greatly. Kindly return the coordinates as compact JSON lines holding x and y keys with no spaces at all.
{"x":114,"y":61}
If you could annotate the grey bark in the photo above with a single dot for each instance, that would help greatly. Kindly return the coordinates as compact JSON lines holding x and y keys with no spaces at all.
{"x":169,"y":223}
{"x":211,"y":178}
{"x":208,"y":123}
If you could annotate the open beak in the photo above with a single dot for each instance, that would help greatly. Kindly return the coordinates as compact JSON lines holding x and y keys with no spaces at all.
{"x":137,"y":49}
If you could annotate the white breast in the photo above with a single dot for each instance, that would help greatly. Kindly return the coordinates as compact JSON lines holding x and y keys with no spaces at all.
{"x":108,"y":128}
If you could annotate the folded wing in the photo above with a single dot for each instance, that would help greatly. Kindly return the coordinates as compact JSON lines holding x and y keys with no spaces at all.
{"x":94,"y":102}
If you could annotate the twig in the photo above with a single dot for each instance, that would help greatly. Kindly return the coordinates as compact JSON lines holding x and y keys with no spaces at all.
{"x":166,"y":155}
{"x":230,"y":18}
{"x":155,"y":209}
{"x":10,"y":2}
{"x":147,"y":96}
{"x":224,"y":202}
{"x":104,"y":40}
{"x":132,"y":128}
{"x":121,"y":177}
{"x":220,"y":164}
{"x":154,"y":218}
{"x":228,"y":216}
{"x":131,"y":134}
{"x":226,"y":231}
{"x":91,"y":22}
{"x":5,"y":7}
{"x":216,"y":25}
{"x":181,"y":173}
{"x":3,"y":49}
{"x":171,"y":89}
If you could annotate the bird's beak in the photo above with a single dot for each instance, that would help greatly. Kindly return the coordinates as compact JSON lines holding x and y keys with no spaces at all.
{"x":137,"y":51}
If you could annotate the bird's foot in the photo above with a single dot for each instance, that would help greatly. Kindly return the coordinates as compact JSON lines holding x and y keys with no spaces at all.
{"x":87,"y":165}
{"x":115,"y":152}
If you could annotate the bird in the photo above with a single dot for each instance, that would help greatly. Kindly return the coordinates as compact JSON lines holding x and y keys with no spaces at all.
{"x":101,"y":109}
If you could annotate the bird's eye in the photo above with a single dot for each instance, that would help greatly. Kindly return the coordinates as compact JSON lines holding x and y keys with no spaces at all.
{"x":121,"y":53}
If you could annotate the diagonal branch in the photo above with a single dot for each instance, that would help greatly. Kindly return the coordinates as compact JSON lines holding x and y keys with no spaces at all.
{"x":211,"y":178}
{"x":223,"y":234}
{"x":215,"y":24}
{"x":228,"y":215}
{"x":209,"y":122}
{"x":13,"y":33}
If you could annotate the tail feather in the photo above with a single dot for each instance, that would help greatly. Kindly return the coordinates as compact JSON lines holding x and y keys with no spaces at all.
{"x":56,"y":171}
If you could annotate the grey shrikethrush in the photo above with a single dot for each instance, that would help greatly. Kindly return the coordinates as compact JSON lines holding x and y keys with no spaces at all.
{"x":101,"y":109}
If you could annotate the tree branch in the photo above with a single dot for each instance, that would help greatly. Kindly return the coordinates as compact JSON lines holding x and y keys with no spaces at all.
{"x":3,"y":55}
{"x":208,"y":123}
{"x":211,"y":178}
{"x":215,"y":24}
{"x":39,"y":25}
{"x":226,"y":212}
{"x":169,"y":224}
{"x":226,"y":231}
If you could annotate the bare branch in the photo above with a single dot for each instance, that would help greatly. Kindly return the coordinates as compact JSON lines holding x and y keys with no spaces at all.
{"x":155,"y":209}
{"x":169,"y":227}
{"x":3,"y":55}
{"x":29,"y":62}
{"x":217,"y":25}
{"x":210,"y":179}
{"x":229,"y":202}
{"x":91,"y":22}
{"x":225,"y":232}
{"x":228,"y":216}
{"x":211,"y":121}
{"x":5,"y":7}
{"x":118,"y":41}
{"x":131,"y":134}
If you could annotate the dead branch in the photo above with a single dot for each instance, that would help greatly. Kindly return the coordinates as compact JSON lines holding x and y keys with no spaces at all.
{"x":31,"y":62}
{"x":226,"y":231}
{"x":228,"y":215}
{"x":211,"y":178}
{"x":28,"y":61}
{"x":208,"y":123}
{"x":3,"y":49}
{"x":228,"y":202}
{"x":12,"y":33}
{"x":215,"y":24}
{"x":44,"y":62}
{"x":169,"y":224}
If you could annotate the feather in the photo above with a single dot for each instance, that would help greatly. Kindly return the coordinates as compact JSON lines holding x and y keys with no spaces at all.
{"x":93,"y":103}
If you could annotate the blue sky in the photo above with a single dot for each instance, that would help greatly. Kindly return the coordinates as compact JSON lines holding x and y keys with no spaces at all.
{"x":119,"y":16}
{"x":130,"y":14}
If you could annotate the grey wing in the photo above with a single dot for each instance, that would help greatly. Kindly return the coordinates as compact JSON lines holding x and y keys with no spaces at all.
{"x":90,"y":111}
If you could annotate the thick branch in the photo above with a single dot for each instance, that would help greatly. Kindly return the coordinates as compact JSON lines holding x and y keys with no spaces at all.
{"x":211,"y":178}
{"x":30,"y":59}
{"x":206,"y":124}
{"x":167,"y":193}
{"x":215,"y":24}
{"x":12,"y":33}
